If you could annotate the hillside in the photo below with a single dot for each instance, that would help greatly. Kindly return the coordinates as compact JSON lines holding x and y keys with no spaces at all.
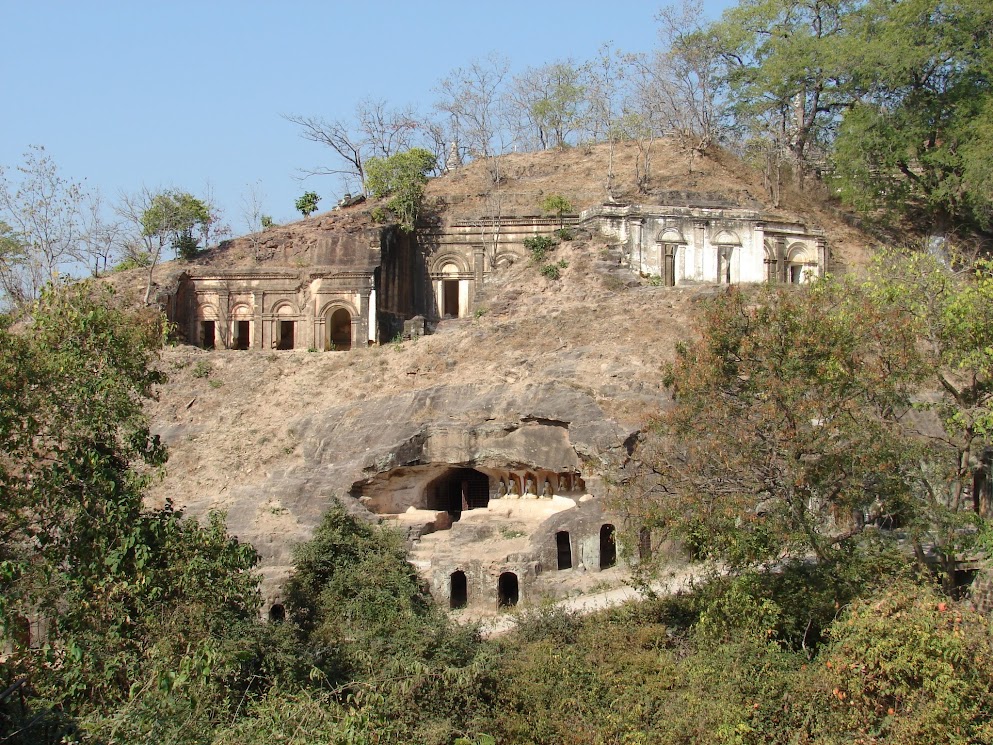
{"x":270,"y":436}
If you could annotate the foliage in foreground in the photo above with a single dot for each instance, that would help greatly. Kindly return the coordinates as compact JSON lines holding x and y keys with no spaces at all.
{"x":901,"y":665}
{"x":828,"y":421}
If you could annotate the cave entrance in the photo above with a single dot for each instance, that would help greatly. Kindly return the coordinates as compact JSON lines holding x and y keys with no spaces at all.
{"x":242,"y":334}
{"x":564,"y":549}
{"x":508,"y":592}
{"x":457,"y":490}
{"x":450,"y":298}
{"x":286,"y":330}
{"x":207,"y":334}
{"x":458,"y":590}
{"x":608,"y":547}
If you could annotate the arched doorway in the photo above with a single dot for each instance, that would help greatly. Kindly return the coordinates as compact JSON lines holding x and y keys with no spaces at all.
{"x":340,"y":331}
{"x":450,"y":291}
{"x":564,"y":549}
{"x":508,"y":592}
{"x":669,"y":264}
{"x":608,"y":547}
{"x":458,"y":590}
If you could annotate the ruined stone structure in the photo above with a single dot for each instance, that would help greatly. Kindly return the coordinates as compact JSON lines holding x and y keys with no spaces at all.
{"x":361,"y":286}
{"x":714,"y":245}
{"x":351,"y":289}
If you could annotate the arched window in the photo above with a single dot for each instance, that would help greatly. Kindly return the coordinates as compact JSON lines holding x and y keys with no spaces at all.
{"x":508,"y":592}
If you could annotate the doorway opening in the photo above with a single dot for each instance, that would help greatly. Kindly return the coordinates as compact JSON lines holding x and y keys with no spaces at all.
{"x":508,"y":592}
{"x":608,"y":547}
{"x":457,"y":490}
{"x":450,"y":298}
{"x":669,"y":265}
{"x":242,"y":334}
{"x":458,"y":590}
{"x":207,"y":335}
{"x":286,"y":332}
{"x":340,"y":331}
{"x":564,"y":549}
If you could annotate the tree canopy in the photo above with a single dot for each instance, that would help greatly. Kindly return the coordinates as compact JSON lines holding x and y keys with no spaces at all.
{"x":401,"y":179}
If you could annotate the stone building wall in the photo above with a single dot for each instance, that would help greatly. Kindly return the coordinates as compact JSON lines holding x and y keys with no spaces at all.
{"x":350,"y":288}
{"x":713,"y":245}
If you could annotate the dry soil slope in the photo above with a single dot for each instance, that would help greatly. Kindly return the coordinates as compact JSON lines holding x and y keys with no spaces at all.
{"x":270,"y":437}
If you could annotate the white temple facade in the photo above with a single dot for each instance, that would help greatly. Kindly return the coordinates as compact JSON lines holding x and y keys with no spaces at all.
{"x":683,"y":245}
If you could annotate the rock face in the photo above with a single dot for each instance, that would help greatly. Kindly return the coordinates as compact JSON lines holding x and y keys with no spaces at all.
{"x":349,"y":454}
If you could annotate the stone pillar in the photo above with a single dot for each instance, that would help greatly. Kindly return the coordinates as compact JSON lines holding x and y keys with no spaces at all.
{"x":361,"y":328}
{"x":699,"y":241}
{"x":637,"y":243}
{"x":478,"y":266}
{"x":222,"y":329}
{"x":822,"y":256}
{"x":258,"y":333}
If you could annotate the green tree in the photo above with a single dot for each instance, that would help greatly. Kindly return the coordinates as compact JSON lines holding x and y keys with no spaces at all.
{"x":784,"y":440}
{"x":366,"y":621}
{"x":557,"y":205}
{"x":178,"y":218}
{"x":401,"y":178}
{"x":917,"y":139}
{"x":950,"y":313}
{"x":803,"y":417}
{"x":307,"y":203}
{"x":786,"y":63}
{"x":123,"y":596}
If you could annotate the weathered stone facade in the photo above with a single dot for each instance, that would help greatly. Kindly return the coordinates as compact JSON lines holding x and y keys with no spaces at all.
{"x":713,"y":245}
{"x":356,"y":287}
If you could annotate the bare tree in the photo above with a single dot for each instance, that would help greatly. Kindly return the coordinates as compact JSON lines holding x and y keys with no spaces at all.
{"x":604,"y":81}
{"x":44,"y":213}
{"x":254,"y":219}
{"x":343,"y":139}
{"x":143,"y":246}
{"x":387,"y":131}
{"x":547,"y":104}
{"x":100,"y":238}
{"x":471,"y":97}
{"x":680,"y":88}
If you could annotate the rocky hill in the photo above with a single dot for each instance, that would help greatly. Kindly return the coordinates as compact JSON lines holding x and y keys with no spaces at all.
{"x":271,"y":436}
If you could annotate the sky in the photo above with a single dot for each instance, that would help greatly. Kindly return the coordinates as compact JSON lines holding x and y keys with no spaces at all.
{"x":189,"y":95}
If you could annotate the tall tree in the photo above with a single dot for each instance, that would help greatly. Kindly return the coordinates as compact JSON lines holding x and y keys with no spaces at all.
{"x":787,"y":69}
{"x":550,"y":100}
{"x":785,"y":430}
{"x":120,"y":594}
{"x":470,"y":97}
{"x":44,"y":212}
{"x":918,"y":137}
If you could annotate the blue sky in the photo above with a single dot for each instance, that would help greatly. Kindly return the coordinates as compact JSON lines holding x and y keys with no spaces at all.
{"x":185,"y":94}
